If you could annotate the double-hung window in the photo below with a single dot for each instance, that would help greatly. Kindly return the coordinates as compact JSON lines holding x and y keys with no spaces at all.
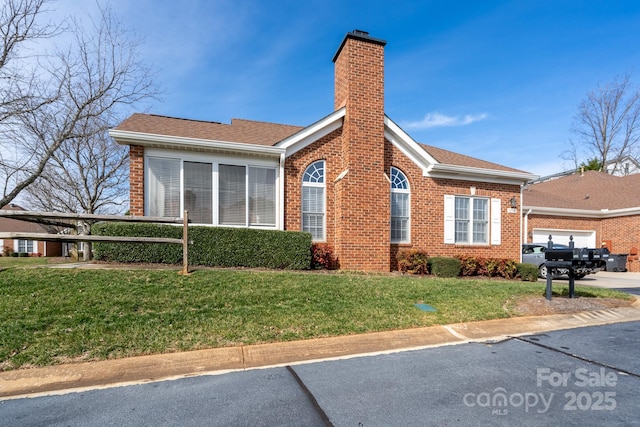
{"x":313,"y":200}
{"x":25,"y":246}
{"x":400,"y":207}
{"x":472,"y":220}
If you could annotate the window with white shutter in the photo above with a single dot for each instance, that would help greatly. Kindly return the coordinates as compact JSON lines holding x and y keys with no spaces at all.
{"x":471,"y":220}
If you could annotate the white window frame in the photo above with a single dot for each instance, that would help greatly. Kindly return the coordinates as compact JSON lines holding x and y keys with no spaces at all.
{"x":316,"y":184}
{"x":494,"y":217}
{"x":215,"y":160}
{"x":28,"y":246}
{"x":400,"y":185}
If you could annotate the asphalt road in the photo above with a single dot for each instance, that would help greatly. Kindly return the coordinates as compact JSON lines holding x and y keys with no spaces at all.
{"x":583,"y":377}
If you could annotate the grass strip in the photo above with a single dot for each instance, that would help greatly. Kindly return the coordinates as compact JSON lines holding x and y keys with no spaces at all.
{"x":50,"y":316}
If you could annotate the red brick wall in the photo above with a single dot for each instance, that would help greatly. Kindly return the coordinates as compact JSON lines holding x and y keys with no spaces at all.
{"x":363,"y":194}
{"x":427,"y":205}
{"x":624,"y":233}
{"x":328,"y":149}
{"x":136,"y":180}
{"x":427,"y":212}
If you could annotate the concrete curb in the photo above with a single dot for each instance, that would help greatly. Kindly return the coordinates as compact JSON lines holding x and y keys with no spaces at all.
{"x":112,"y":373}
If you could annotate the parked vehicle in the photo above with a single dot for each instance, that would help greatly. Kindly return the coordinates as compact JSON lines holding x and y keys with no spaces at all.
{"x":533,"y":253}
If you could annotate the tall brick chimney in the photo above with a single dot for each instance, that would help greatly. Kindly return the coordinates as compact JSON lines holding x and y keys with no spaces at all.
{"x":363,"y":215}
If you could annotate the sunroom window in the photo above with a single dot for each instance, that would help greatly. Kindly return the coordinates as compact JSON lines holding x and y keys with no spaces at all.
{"x":198,"y":190}
{"x":245,"y":195}
{"x":163,"y":186}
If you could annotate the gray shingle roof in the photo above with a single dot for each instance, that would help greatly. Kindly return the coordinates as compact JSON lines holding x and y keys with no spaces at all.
{"x":451,"y":158}
{"x":243,"y":131}
{"x":263,"y":133}
{"x":591,"y":191}
{"x":15,"y":225}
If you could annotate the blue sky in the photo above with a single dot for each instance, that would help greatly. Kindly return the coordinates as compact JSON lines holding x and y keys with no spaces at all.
{"x":497,"y":80}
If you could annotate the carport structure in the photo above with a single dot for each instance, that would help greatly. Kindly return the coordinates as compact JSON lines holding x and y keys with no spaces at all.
{"x":595,"y":208}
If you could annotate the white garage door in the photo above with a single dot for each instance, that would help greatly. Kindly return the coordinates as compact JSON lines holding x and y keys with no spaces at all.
{"x":581,"y":238}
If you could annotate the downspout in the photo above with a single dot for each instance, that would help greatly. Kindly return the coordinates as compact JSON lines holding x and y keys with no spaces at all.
{"x":526,"y":228}
{"x":281,"y":191}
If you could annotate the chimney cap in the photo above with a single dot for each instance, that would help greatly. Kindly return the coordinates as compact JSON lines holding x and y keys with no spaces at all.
{"x":358,"y":35}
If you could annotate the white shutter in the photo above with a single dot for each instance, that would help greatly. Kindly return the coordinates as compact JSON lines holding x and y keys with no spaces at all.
{"x":449,"y":219}
{"x":496,"y":215}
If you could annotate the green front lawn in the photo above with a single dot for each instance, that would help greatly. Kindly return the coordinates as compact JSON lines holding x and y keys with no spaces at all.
{"x":50,"y":316}
{"x":10,"y":261}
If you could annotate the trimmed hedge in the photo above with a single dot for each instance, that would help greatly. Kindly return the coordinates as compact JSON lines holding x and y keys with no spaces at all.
{"x":212,"y":246}
{"x":413,"y":261}
{"x":444,"y":267}
{"x":491,"y":267}
{"x":528,"y":272}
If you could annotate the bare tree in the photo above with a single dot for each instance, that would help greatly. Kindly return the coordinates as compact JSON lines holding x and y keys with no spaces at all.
{"x":70,"y":95}
{"x":607,"y":124}
{"x":88,"y":175}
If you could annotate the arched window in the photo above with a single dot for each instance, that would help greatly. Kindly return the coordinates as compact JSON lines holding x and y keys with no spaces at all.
{"x":400,"y":207}
{"x":313,"y":200}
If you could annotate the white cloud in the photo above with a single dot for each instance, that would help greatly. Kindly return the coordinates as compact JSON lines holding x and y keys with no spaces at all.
{"x":436,"y":119}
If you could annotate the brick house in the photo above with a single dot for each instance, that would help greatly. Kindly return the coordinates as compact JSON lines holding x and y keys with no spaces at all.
{"x":594,"y":207}
{"x":353,"y":179}
{"x":32,"y":247}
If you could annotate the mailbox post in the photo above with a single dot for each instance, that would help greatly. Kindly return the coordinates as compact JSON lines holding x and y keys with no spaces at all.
{"x":574,"y":261}
{"x":560,"y":258}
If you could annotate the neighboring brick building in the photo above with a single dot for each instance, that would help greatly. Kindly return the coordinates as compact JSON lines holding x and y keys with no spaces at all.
{"x":354,"y":179}
{"x":31,"y":247}
{"x":595,"y":208}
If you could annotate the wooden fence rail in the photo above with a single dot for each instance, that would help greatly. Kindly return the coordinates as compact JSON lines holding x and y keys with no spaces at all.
{"x":58,"y":218}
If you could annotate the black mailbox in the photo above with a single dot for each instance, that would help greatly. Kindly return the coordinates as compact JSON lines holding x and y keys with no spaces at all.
{"x":559,"y":255}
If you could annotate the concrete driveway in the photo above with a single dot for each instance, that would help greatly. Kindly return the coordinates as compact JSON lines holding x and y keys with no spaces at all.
{"x":625,"y":282}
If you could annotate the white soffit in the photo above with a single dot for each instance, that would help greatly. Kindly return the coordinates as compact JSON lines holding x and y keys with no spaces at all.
{"x":480,"y":174}
{"x":407,"y":146}
{"x":312,"y":133}
{"x":194,"y":144}
{"x":431,"y":167}
{"x":583,"y":213}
